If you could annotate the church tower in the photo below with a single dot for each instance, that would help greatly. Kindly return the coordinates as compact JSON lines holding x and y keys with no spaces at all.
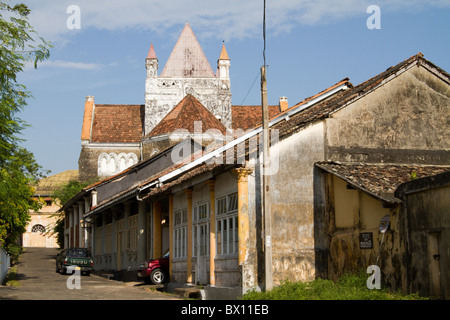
{"x":187,"y":71}
{"x":151,"y":64}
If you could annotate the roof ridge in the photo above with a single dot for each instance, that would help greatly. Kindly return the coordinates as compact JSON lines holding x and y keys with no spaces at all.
{"x":178,"y":119}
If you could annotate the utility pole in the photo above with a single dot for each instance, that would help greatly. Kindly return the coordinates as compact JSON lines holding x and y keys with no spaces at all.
{"x":267,"y":216}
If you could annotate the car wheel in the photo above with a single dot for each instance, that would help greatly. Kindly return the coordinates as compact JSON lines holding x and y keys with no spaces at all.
{"x":157,"y":276}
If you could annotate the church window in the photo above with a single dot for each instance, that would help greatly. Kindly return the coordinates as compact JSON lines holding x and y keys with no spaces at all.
{"x":110,"y":163}
{"x":38,"y":228}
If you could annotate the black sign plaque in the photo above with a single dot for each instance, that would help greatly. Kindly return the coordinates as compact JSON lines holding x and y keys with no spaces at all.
{"x":366,"y":240}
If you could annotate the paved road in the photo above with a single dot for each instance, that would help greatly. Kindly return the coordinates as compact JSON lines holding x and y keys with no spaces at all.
{"x":39,"y":281}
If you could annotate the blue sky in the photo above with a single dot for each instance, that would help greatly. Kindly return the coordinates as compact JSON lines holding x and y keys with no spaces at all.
{"x":310,"y":45}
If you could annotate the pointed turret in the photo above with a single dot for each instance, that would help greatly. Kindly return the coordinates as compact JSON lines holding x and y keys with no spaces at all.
{"x":151,"y":52}
{"x":223,"y":64}
{"x":223,"y":53}
{"x":151,"y":63}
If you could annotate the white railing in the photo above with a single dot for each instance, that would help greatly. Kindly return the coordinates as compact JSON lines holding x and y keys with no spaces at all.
{"x":4,"y":265}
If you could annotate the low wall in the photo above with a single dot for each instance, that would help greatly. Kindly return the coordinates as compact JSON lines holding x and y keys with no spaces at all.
{"x":4,"y":265}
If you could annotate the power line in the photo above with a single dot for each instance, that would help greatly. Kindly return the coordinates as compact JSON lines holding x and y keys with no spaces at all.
{"x":251,"y":87}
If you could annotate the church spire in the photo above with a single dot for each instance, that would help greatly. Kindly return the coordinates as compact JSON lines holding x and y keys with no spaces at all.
{"x":151,"y":63}
{"x":223,"y":53}
{"x":151,"y":52}
{"x":187,"y":58}
{"x":223,"y":64}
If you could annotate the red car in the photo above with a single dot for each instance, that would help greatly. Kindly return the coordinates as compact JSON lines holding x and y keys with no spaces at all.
{"x":155,"y":271}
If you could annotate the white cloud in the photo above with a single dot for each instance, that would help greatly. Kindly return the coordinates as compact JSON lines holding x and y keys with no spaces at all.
{"x":70,"y":65}
{"x":222,"y":19}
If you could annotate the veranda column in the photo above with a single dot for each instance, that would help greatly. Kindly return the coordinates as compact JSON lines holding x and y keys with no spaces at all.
{"x":170,"y":234}
{"x":142,"y":234}
{"x":212,"y":233}
{"x":243,"y":228}
{"x":157,"y":230}
{"x":189,"y":236}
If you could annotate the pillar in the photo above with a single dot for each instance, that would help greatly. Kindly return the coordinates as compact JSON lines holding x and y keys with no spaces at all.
{"x":142,"y":235}
{"x":157,"y":230}
{"x":212,"y":233}
{"x":170,"y":234}
{"x":189,"y":236}
{"x":243,"y":226}
{"x":246,"y":269}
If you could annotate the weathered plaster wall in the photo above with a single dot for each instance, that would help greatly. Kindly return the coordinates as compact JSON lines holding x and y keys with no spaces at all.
{"x":292,"y":207}
{"x":405,"y":120}
{"x":428,"y":219}
{"x":89,"y":157}
{"x":352,"y":212}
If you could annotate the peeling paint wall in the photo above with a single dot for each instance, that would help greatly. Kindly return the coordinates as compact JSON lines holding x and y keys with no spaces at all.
{"x":292,"y":208}
{"x":405,"y":120}
{"x":427,"y":211}
{"x":353,"y":212}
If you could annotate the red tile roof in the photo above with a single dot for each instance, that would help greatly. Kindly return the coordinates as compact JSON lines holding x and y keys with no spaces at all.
{"x":380,"y":180}
{"x":117,"y":123}
{"x":184,"y":115}
{"x":248,"y":117}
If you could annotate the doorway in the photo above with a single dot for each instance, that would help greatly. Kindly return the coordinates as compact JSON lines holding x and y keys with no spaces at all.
{"x":201,"y":251}
{"x":434,"y":258}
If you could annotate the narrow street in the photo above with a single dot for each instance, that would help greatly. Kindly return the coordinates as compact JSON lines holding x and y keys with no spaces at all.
{"x":39,"y":281}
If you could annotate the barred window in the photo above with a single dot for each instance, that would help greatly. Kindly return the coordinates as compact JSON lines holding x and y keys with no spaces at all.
{"x":180,"y":233}
{"x":200,"y":230}
{"x":132,"y":234}
{"x":227,"y":225}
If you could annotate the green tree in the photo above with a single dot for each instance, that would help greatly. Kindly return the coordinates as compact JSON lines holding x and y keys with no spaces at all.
{"x":18,"y":167}
{"x":62,"y":195}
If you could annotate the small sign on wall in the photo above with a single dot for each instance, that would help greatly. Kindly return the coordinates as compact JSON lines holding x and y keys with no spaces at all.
{"x":366,"y":240}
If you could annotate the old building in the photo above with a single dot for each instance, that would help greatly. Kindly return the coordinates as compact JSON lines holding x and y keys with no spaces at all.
{"x":412,"y":199}
{"x":115,"y":137}
{"x":206,"y":207}
{"x":40,"y":228}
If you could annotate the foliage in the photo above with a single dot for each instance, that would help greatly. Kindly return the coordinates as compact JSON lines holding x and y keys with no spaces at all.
{"x":11,"y":278}
{"x":348,"y":287}
{"x":18,"y":166}
{"x":64,"y":194}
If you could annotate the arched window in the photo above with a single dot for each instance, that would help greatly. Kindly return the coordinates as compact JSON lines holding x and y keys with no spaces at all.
{"x":111,"y":163}
{"x":38,"y":228}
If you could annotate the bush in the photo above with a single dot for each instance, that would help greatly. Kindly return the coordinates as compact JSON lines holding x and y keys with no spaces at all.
{"x":14,"y":251}
{"x":347,"y":287}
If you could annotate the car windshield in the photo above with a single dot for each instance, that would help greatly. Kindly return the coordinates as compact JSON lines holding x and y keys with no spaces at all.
{"x":79,"y":253}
